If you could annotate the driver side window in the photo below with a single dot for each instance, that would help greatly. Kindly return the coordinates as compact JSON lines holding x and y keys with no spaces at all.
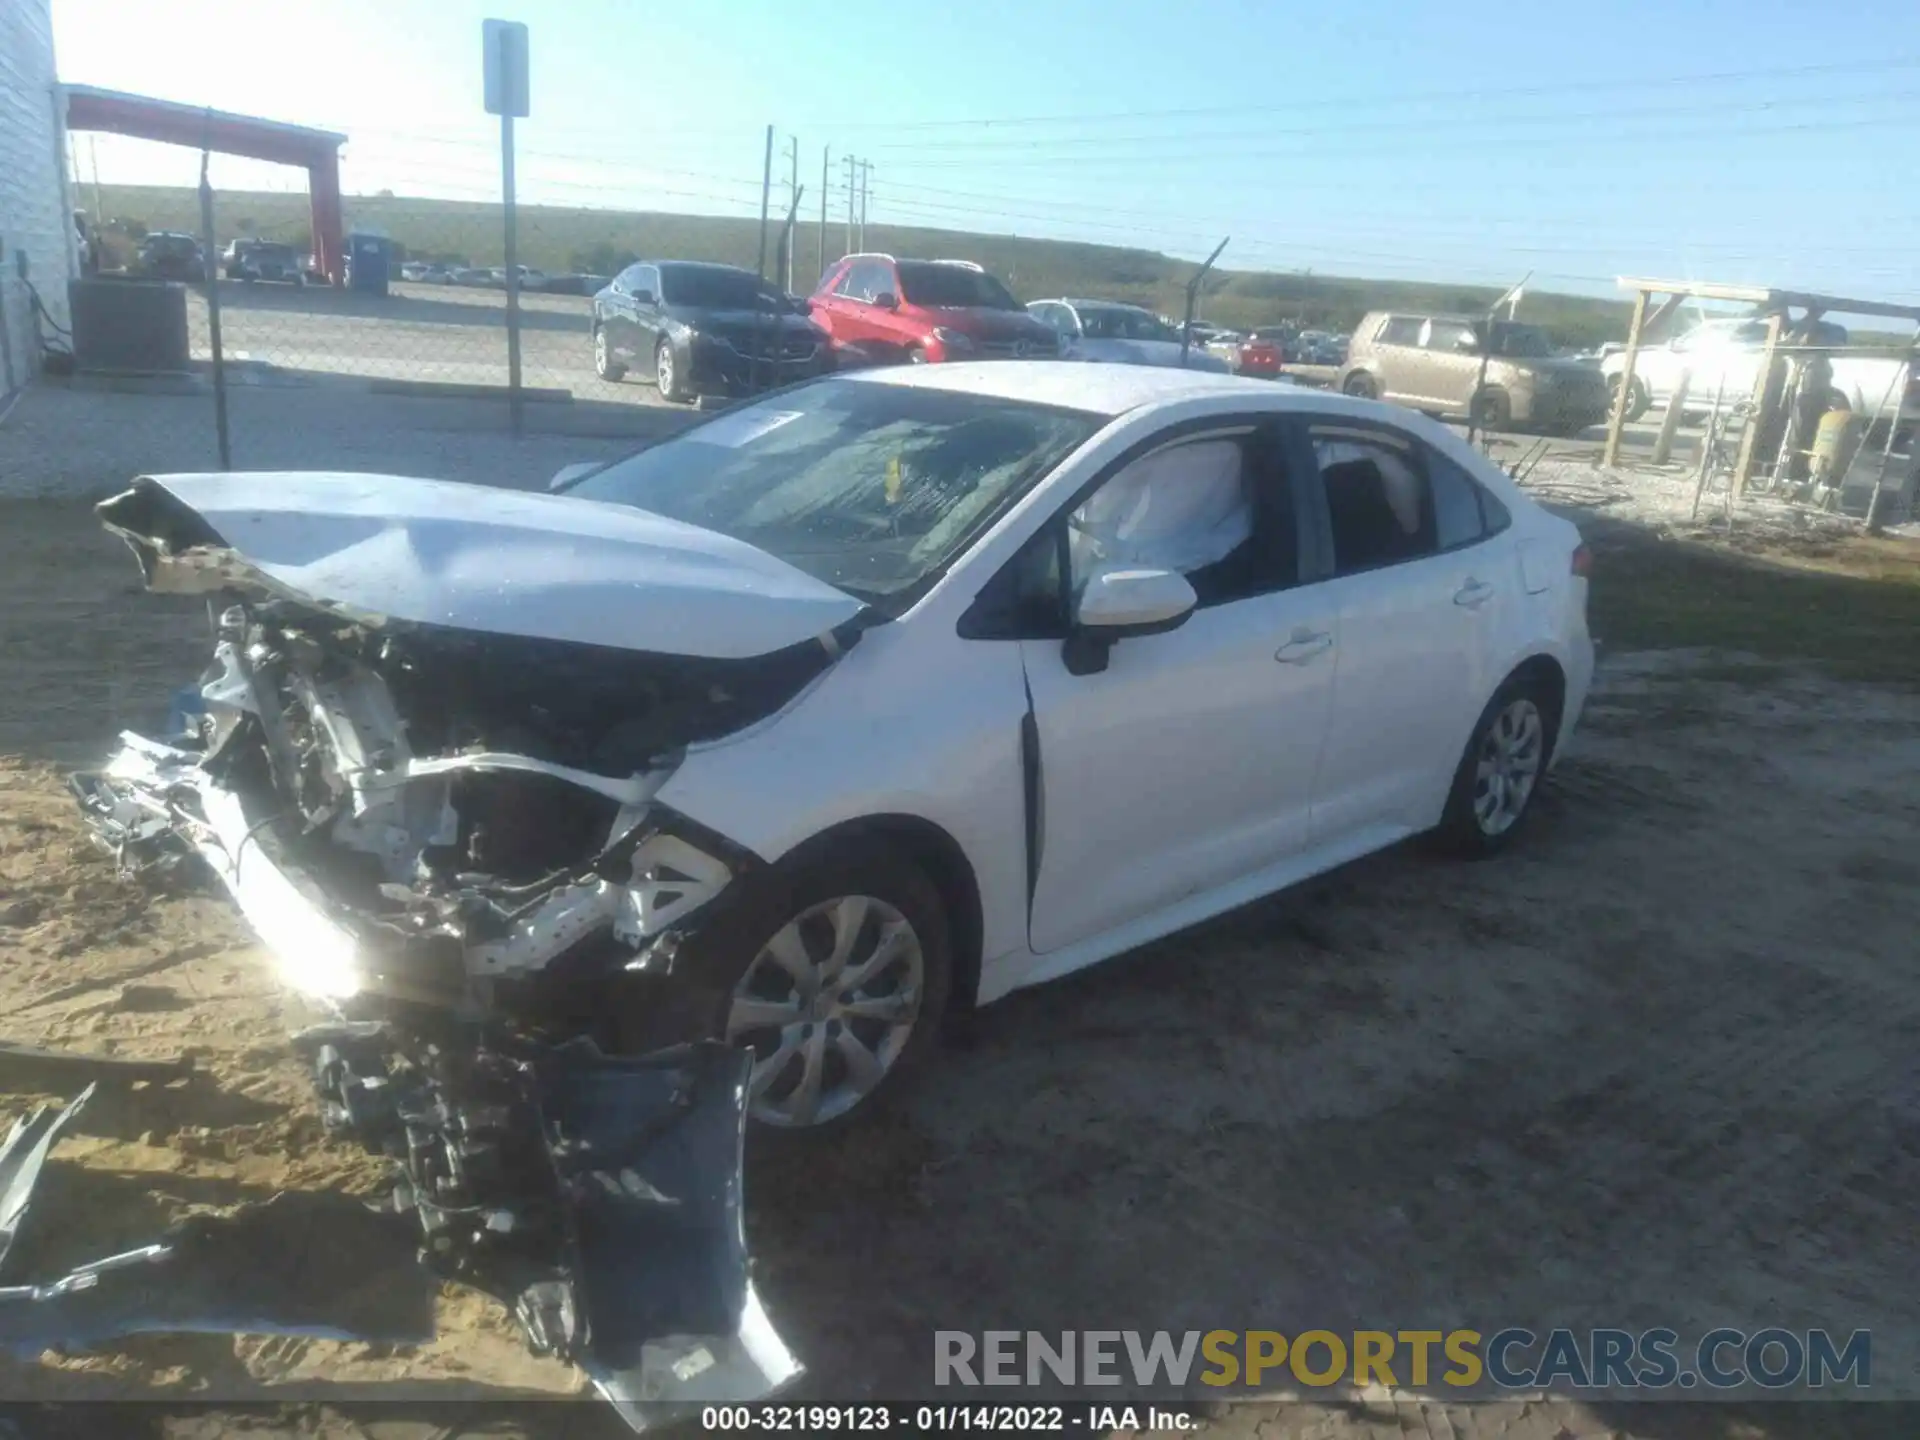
{"x":1187,"y":508}
{"x":1216,"y":509}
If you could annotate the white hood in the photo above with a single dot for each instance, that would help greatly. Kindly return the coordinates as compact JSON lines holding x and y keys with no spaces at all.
{"x":505,"y":562}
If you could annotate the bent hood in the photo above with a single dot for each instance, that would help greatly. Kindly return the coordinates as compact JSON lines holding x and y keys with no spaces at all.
{"x":504,"y":562}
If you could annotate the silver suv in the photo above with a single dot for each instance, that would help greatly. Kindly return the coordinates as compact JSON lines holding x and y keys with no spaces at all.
{"x":1433,"y":363}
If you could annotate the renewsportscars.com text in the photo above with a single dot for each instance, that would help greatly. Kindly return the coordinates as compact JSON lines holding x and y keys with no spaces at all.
{"x":1510,"y":1359}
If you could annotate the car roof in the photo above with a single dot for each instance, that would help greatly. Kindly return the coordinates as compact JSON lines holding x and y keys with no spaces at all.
{"x":700,"y":265}
{"x":1110,"y":390}
{"x":1103,"y":305}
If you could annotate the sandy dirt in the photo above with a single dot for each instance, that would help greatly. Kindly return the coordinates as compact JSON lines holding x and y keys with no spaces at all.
{"x":1656,"y":1067}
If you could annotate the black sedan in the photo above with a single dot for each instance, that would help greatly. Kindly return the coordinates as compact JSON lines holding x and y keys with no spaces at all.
{"x":697,"y":329}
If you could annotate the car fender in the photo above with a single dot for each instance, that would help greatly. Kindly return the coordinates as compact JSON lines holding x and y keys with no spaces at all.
{"x":905,"y":724}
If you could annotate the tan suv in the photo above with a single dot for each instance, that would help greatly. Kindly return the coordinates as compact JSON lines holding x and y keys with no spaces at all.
{"x":1432,"y":363}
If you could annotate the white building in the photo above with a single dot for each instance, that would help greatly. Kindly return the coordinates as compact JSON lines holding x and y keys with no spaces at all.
{"x":36,"y":218}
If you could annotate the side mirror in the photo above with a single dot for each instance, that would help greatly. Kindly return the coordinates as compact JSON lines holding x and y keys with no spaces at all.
{"x":1116,"y":604}
{"x":887,"y":300}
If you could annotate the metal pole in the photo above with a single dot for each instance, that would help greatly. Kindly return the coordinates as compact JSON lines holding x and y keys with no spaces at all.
{"x":1193,"y":295}
{"x":793,"y":199}
{"x":850,"y":248}
{"x":93,"y":158}
{"x":213,"y":316}
{"x":766,"y":199}
{"x":866,"y":189}
{"x":515,"y":401}
{"x":1512,"y":301}
{"x":824,"y":153}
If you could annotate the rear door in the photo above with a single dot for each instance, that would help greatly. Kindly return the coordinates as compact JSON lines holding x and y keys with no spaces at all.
{"x":1423,"y":581}
{"x":1396,"y":352}
{"x":646,"y":322}
{"x":1448,"y":373}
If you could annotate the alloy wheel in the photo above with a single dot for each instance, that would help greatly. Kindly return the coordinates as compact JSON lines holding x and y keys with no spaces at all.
{"x":1508,"y":766}
{"x":827,"y":1007}
{"x":600,"y":356}
{"x":663,"y":370}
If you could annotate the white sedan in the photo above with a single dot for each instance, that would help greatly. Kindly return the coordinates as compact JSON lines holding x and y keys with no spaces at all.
{"x":1103,"y":330}
{"x":891,"y":693}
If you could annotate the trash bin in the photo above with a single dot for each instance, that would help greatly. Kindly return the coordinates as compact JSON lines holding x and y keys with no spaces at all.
{"x":369,"y":263}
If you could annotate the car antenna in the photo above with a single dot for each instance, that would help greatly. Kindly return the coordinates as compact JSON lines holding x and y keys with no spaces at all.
{"x":1193,"y":293}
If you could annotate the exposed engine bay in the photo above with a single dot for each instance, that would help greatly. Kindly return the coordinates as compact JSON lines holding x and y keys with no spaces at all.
{"x":468,"y":812}
{"x":450,"y":835}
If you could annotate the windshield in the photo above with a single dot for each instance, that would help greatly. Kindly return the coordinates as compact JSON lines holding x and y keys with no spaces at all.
{"x":1520,"y":342}
{"x":928,"y":283}
{"x":713,"y":289}
{"x":1101,"y":323}
{"x":872,"y":488}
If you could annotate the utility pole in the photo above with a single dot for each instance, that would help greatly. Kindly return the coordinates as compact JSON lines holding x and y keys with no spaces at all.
{"x":850,"y":244}
{"x":793,"y":199}
{"x":825,"y":152}
{"x":866,"y":173}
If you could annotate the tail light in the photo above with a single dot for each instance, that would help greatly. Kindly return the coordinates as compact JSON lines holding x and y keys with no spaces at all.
{"x":1582,"y":561}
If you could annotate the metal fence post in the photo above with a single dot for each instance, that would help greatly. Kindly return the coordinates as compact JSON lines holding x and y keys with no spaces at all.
{"x":212,"y":278}
{"x":515,"y":401}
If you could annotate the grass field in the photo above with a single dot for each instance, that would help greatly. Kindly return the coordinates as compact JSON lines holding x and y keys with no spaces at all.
{"x":557,"y":238}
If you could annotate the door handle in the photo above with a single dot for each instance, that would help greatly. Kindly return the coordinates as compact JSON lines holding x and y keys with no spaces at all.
{"x":1473,"y":594}
{"x":1303,"y":647}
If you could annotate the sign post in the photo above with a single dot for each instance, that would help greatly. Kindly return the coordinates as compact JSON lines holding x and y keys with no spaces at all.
{"x":504,"y":62}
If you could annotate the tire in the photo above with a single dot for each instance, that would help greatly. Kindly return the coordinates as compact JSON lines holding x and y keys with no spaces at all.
{"x":1361,"y":386}
{"x":666,"y":372}
{"x":1479,"y":820}
{"x":916,"y":356}
{"x":805,"y":899}
{"x":604,"y":365}
{"x":1492,"y":409}
{"x":1639,"y":399}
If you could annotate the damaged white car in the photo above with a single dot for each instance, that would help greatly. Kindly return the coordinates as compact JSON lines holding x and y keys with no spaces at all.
{"x":885,"y":694}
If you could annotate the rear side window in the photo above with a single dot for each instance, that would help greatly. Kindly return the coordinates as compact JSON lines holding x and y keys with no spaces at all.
{"x":1399,"y":330}
{"x":1377,"y":499}
{"x":1456,"y":504}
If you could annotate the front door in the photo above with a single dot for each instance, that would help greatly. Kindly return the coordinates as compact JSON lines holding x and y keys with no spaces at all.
{"x":1189,"y":761}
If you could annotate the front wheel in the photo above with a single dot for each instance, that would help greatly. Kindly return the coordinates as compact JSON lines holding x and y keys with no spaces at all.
{"x":604,"y":365}
{"x":1502,"y":768}
{"x":666,"y":372}
{"x":834,"y":974}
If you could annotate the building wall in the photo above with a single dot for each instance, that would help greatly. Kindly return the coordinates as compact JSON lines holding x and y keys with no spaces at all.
{"x":35,"y":217}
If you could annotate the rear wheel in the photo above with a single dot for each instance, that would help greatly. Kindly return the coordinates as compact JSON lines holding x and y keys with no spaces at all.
{"x":1492,"y":410}
{"x":1360,"y":385}
{"x":1639,"y":401}
{"x":1502,"y":768}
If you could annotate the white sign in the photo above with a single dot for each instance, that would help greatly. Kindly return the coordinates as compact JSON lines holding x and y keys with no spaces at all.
{"x":504,"y":45}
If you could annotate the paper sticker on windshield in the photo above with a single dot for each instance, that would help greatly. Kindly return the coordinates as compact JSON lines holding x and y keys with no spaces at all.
{"x":733,"y":431}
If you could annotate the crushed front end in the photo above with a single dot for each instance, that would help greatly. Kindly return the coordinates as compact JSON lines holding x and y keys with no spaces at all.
{"x":451,"y":836}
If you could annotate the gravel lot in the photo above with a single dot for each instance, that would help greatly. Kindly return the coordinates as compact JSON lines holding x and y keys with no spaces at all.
{"x":1656,"y":1067}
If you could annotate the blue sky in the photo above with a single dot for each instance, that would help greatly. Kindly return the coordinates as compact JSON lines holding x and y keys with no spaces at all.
{"x":1467,"y":140}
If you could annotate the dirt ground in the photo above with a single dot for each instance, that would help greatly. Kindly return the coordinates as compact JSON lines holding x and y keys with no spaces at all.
{"x":1656,"y":1067}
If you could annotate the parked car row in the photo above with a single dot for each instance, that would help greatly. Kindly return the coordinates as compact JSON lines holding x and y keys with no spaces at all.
{"x":494,"y":277}
{"x":697,"y":328}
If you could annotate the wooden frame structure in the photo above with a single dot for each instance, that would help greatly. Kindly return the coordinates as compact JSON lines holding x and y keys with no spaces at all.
{"x":1774,"y":304}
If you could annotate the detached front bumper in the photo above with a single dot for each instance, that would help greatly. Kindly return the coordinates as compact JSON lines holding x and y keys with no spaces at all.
{"x":154,"y":806}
